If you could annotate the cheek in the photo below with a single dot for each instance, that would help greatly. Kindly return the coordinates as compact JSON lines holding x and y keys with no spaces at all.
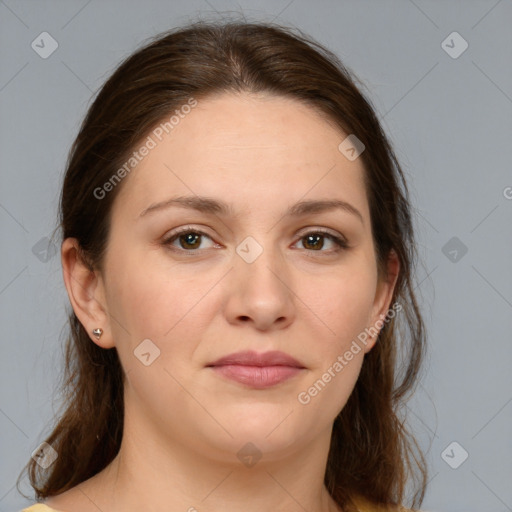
{"x":343,"y":306}
{"x":141,"y":305}
{"x":154,"y":301}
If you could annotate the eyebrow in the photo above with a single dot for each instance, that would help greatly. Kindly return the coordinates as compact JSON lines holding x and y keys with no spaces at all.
{"x":217,"y":207}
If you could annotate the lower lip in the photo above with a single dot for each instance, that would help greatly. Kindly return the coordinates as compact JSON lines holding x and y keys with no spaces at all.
{"x":258,"y":377}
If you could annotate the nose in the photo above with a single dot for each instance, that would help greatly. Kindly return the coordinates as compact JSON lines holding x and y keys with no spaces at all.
{"x":260,"y":293}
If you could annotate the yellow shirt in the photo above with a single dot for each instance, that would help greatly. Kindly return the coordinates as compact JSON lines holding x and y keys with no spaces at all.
{"x":362,"y":505}
{"x":39,"y":507}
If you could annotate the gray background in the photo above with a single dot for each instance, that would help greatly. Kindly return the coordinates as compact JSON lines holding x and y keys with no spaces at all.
{"x":450,"y":120}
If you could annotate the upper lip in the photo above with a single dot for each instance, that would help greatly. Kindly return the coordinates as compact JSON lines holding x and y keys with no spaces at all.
{"x":251,"y":358}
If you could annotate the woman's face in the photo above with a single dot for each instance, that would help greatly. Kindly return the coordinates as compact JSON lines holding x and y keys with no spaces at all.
{"x":254,"y":275}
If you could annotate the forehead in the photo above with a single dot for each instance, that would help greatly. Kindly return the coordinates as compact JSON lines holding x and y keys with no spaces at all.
{"x":247,"y":149}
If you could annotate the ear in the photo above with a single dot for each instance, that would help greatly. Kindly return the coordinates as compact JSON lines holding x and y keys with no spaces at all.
{"x":383,"y":296}
{"x":86,"y":292}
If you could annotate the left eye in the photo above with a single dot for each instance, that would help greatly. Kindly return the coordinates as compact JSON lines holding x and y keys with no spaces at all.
{"x":315,"y":239}
{"x":190,"y":240}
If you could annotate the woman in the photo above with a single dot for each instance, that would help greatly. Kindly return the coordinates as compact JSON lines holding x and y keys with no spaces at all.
{"x":238,"y":252}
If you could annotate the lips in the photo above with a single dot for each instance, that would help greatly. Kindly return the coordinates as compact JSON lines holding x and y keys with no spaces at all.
{"x":250,"y":358}
{"x":255,"y":370}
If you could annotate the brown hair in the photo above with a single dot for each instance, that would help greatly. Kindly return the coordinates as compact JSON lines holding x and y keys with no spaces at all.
{"x":371,"y":454}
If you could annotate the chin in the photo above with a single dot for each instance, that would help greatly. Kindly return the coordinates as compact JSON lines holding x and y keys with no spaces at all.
{"x":274,"y":435}
{"x":251,"y":448}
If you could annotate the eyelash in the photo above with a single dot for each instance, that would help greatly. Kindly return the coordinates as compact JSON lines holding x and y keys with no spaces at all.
{"x":341,"y":243}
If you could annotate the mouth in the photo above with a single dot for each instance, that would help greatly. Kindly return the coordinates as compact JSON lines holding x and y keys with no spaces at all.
{"x":258,"y":371}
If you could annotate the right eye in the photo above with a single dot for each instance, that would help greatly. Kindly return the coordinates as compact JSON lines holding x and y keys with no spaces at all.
{"x":188,"y":238}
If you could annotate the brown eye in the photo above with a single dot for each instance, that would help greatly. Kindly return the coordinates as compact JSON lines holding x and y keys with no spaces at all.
{"x":188,"y":239}
{"x":315,"y":241}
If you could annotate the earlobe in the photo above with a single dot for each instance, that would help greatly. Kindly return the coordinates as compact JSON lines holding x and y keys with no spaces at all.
{"x":86,"y":293}
{"x":383,"y":296}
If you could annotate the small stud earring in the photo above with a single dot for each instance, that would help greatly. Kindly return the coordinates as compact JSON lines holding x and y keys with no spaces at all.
{"x":97,"y":332}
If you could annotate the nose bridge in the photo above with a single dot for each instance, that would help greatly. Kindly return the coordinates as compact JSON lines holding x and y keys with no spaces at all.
{"x":259,"y":278}
{"x":260,"y":261}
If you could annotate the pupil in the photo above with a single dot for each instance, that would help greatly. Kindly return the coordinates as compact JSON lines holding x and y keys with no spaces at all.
{"x":191,"y":238}
{"x":310,"y":239}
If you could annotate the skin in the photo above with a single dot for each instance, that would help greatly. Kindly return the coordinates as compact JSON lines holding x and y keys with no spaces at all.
{"x":184,"y":424}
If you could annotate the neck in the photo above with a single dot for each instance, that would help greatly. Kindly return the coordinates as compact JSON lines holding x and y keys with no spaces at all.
{"x":151,"y":472}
